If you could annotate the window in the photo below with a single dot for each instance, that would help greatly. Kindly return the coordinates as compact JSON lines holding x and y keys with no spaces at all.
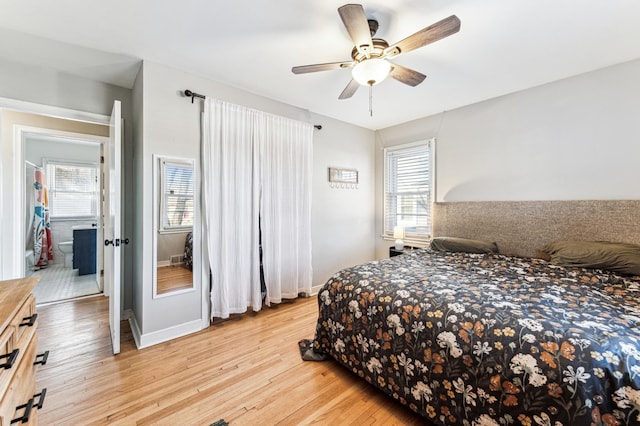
{"x":409,"y":183}
{"x":176,"y":189}
{"x":73,"y":190}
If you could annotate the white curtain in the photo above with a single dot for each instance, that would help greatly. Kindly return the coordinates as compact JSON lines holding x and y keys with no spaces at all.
{"x":285,"y":207}
{"x":255,"y":164}
{"x":231,"y":202}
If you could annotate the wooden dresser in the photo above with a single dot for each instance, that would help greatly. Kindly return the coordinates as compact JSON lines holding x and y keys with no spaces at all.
{"x":19,"y":401}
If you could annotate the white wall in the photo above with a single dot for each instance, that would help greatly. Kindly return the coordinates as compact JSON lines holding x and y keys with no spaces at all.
{"x":572,"y":139}
{"x":169,"y":124}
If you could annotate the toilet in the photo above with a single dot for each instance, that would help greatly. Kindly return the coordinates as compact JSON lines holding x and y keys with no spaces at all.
{"x":66,"y":247}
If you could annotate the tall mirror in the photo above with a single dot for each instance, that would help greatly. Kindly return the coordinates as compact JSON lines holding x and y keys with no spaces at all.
{"x":173,"y":222}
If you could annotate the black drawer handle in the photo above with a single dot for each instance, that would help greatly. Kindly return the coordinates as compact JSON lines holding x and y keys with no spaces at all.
{"x":30,"y":405}
{"x":29,"y":321}
{"x":44,"y":357}
{"x":27,"y":412}
{"x":40,"y":397}
{"x":12,"y":359}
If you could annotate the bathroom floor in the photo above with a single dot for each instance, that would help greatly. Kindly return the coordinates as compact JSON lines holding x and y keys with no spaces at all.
{"x":60,"y":283}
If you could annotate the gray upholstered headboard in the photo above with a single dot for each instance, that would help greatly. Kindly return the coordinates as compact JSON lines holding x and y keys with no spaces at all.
{"x":522,"y":228}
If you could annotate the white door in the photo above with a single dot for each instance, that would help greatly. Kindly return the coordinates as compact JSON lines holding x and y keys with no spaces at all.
{"x":112,"y":226}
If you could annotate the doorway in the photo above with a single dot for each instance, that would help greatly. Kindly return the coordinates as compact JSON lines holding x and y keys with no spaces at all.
{"x":63,"y":213}
{"x":107,"y":131}
{"x":42,"y":142}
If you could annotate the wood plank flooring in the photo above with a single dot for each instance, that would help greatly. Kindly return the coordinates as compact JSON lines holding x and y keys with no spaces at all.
{"x":246,"y":370}
{"x":173,"y":277}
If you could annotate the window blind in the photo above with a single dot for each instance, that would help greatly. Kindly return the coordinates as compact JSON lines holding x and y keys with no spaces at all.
{"x":73,"y":190}
{"x":408,"y":190}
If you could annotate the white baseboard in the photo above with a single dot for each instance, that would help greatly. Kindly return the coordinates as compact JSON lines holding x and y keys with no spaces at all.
{"x":164,"y":335}
{"x":133,"y":324}
{"x":315,"y":290}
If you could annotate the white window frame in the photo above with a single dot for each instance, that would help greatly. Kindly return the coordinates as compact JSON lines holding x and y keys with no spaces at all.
{"x":410,"y":238}
{"x":96,"y":198}
{"x":163,"y":162}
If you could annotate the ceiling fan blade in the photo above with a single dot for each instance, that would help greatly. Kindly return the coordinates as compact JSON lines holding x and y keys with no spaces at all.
{"x":430,"y":34}
{"x":356,"y":23}
{"x":406,"y":75}
{"x":321,"y":67}
{"x":349,"y":90}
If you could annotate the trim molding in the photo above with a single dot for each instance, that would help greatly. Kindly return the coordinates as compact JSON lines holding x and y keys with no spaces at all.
{"x":53,"y":111}
{"x":164,"y":335}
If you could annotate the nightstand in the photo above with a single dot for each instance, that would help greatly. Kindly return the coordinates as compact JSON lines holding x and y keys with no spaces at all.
{"x":394,"y":252}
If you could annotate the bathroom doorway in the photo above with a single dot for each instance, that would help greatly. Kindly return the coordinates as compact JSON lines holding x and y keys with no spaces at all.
{"x":63,"y":211}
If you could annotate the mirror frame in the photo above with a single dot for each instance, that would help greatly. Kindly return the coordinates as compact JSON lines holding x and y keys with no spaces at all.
{"x":157,"y":187}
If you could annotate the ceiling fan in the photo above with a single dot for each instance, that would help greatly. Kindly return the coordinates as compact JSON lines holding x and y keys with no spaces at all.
{"x":370,"y":55}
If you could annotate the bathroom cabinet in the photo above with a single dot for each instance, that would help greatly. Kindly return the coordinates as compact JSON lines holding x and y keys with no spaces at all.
{"x":84,"y":251}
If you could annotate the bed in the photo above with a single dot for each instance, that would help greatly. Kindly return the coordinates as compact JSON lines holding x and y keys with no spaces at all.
{"x":188,"y":251}
{"x":484,"y":339}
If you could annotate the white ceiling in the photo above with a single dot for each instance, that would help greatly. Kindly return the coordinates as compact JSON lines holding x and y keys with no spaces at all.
{"x":503,"y":46}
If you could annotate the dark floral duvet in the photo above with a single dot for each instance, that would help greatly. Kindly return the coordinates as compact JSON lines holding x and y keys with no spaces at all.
{"x":476,"y":339}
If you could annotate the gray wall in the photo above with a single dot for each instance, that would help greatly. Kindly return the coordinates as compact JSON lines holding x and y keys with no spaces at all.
{"x":342,"y":219}
{"x":170,"y":244}
{"x":571,"y":139}
{"x":168,"y":124}
{"x":48,"y":87}
{"x":137,"y":188}
{"x":574,"y":139}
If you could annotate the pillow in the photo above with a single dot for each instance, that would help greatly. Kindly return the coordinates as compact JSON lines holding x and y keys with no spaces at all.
{"x":617,"y":257}
{"x":463,"y":244}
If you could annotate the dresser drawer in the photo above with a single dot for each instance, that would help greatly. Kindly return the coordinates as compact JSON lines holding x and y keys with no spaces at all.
{"x":8,"y":358}
{"x":22,"y":387}
{"x":24,"y":322}
{"x":18,"y":346}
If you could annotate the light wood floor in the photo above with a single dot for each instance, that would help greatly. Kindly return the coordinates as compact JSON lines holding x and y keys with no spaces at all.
{"x":246,"y":371}
{"x":174,"y":277}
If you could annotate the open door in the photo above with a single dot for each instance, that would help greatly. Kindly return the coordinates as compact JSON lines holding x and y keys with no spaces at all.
{"x":112,"y":225}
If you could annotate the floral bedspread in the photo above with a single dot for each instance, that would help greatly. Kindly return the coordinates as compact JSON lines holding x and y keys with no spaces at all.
{"x":475,"y":339}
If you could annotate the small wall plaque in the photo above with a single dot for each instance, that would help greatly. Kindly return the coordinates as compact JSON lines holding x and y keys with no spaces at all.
{"x":343,"y":178}
{"x":343,"y":175}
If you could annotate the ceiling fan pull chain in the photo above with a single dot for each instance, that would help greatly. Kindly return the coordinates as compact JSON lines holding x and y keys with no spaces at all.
{"x":371,"y":100}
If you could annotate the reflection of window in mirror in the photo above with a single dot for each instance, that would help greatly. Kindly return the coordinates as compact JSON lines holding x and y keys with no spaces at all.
{"x":177,"y":196}
{"x":175,"y":226}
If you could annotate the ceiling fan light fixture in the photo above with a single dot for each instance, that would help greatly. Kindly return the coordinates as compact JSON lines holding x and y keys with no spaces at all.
{"x":370,"y":72}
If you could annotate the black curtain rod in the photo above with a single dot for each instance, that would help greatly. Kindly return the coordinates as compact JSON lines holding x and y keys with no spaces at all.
{"x":190,"y":94}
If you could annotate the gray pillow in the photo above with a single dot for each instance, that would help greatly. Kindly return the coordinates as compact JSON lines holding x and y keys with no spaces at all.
{"x":463,"y":244}
{"x":618,"y":257}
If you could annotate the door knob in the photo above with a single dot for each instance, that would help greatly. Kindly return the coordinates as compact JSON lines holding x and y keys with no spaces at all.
{"x":116,"y":242}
